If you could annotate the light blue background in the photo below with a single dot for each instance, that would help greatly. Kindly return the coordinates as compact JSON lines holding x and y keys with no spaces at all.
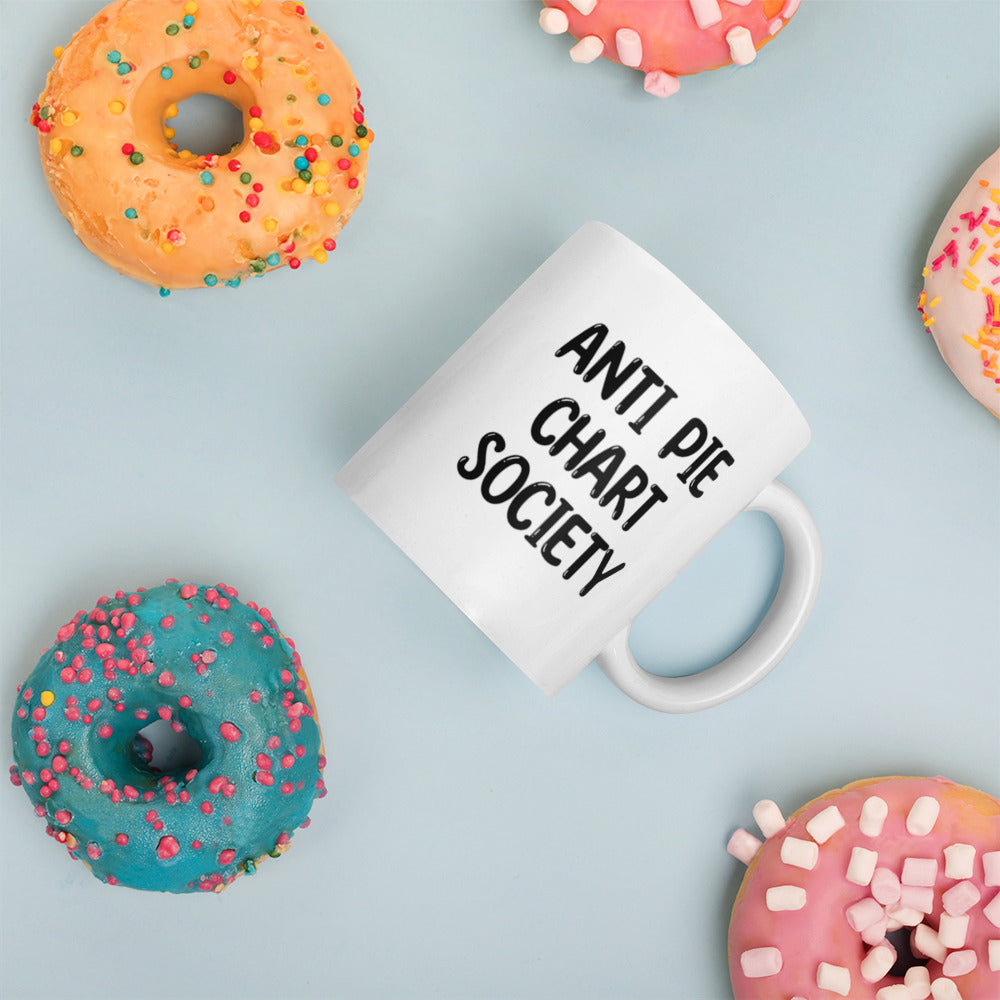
{"x":480,"y":840}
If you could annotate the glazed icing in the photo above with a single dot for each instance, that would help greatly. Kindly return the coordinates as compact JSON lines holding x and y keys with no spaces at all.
{"x":667,"y":39}
{"x":213,"y":667}
{"x":171,"y":218}
{"x":917,"y":855}
{"x":960,"y":300}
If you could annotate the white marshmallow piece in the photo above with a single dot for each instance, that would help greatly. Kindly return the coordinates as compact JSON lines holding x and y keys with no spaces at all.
{"x":785,"y":897}
{"x":924,"y":941}
{"x":825,"y":824}
{"x":628,"y":44}
{"x":903,"y":916}
{"x":834,"y":978}
{"x":919,"y":871}
{"x":861,"y":867}
{"x":918,"y":981}
{"x":898,"y":991}
{"x":885,"y":886}
{"x":757,"y":963}
{"x":799,"y":853}
{"x":958,"y":860}
{"x":960,"y":963}
{"x":660,"y":84}
{"x":706,"y":12}
{"x":993,"y":951}
{"x":743,"y":846}
{"x":877,"y":963}
{"x":863,"y":914}
{"x":991,"y":868}
{"x":585,"y":7}
{"x":992,"y":910}
{"x":741,"y":48}
{"x":960,"y":898}
{"x":873,"y":814}
{"x":589,"y":48}
{"x":768,"y":817}
{"x":553,"y":21}
{"x":953,"y":931}
{"x":922,"y":816}
{"x":944,"y":989}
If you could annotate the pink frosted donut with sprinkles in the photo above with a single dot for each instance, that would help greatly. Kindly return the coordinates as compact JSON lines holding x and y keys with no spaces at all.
{"x":667,"y":39}
{"x":887,"y":889}
{"x":176,"y":219}
{"x":244,"y":756}
{"x":960,"y":300}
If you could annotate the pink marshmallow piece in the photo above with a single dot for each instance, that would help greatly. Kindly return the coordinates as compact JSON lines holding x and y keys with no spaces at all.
{"x":875,"y":934}
{"x":757,"y":963}
{"x":917,"y":897}
{"x":743,"y":846}
{"x":991,"y":867}
{"x":919,"y":871}
{"x":960,"y":898}
{"x":885,"y":886}
{"x":863,"y":914}
{"x":660,"y":84}
{"x":629,"y":47}
{"x":959,"y":963}
{"x":992,"y":910}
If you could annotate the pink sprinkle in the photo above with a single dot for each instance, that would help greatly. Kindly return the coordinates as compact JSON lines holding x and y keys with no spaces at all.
{"x":263,"y":777}
{"x":287,"y":788}
{"x":167,"y":621}
{"x":229,"y":732}
{"x":215,"y":785}
{"x":287,"y":761}
{"x":273,"y":743}
{"x":226,"y":638}
{"x":189,"y":589}
{"x":59,"y":764}
{"x":226,"y":856}
{"x":184,"y":701}
{"x":121,"y":839}
{"x":206,"y":807}
{"x":208,"y":656}
{"x":167,"y":847}
{"x":63,"y":816}
{"x":166,"y":679}
{"x":264,"y":761}
{"x":93,"y":851}
{"x":104,"y":731}
{"x":65,"y":632}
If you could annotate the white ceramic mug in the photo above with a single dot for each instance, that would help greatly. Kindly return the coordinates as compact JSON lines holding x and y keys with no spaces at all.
{"x":576,"y":453}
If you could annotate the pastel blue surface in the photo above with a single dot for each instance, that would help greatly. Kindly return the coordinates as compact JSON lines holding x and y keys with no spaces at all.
{"x":480,"y":840}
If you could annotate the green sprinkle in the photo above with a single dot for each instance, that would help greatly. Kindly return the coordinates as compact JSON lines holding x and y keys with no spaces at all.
{"x":306,"y":175}
{"x":173,"y":29}
{"x":194,"y":62}
{"x":250,"y":866}
{"x":291,"y":98}
{"x":45,"y":112}
{"x":361,"y":131}
{"x":245,"y":178}
{"x":313,"y":30}
{"x":136,"y":157}
{"x":76,"y":151}
{"x":259,"y":265}
{"x":335,"y":140}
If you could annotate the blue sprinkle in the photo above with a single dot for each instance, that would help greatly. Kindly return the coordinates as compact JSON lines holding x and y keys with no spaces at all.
{"x":273,"y":259}
{"x":130,"y":213}
{"x":206,"y":177}
{"x":353,"y":149}
{"x":301,"y":163}
{"x":234,"y":282}
{"x":124,"y":68}
{"x":114,"y":57}
{"x":188,"y":20}
{"x":301,"y":140}
{"x":164,"y":292}
{"x":324,"y":99}
{"x":211,"y":279}
{"x":166,"y":72}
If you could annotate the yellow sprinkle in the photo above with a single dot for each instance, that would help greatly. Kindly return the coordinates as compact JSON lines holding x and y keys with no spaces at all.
{"x":57,"y":51}
{"x":299,"y":185}
{"x":969,"y":340}
{"x":270,"y":224}
{"x":169,"y":133}
{"x":935,"y":301}
{"x":320,"y":256}
{"x":47,"y":697}
{"x":980,"y":250}
{"x":250,"y":61}
{"x":116,"y":107}
{"x":321,"y":167}
{"x":928,"y":321}
{"x":363,"y":143}
{"x":55,"y":146}
{"x":995,"y":195}
{"x":321,"y":187}
{"x":167,"y":247}
{"x":190,"y":7}
{"x":331,"y":208}
{"x":971,"y":281}
{"x":256,"y":124}
{"x":186,"y":154}
{"x":70,"y":118}
{"x":171,"y":111}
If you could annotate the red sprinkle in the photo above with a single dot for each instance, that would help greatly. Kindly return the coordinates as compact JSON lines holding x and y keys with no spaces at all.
{"x":255,"y":112}
{"x":229,"y":76}
{"x":128,"y":149}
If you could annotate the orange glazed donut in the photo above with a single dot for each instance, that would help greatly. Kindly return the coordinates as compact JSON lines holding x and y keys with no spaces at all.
{"x":667,"y":39}
{"x":886,"y":889}
{"x":170,"y":217}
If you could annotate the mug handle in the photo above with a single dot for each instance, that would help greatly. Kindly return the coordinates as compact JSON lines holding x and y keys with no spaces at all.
{"x":743,"y":668}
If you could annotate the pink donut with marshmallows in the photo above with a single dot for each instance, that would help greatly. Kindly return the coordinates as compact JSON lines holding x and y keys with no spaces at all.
{"x":667,"y":39}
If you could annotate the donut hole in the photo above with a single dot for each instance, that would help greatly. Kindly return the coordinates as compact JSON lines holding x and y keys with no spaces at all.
{"x":162,"y":749}
{"x":207,"y":125}
{"x":905,"y":959}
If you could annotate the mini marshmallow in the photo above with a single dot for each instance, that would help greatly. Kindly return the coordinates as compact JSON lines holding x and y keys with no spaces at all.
{"x":945,"y":989}
{"x":875,"y":934}
{"x":917,"y":897}
{"x":863,"y":913}
{"x":825,"y":824}
{"x":953,"y":930}
{"x":885,"y":886}
{"x":785,"y":897}
{"x":991,"y":868}
{"x":918,"y":981}
{"x":903,"y":916}
{"x":768,"y":817}
{"x":585,"y":7}
{"x":924,"y":941}
{"x":706,"y":12}
{"x":960,"y":898}
{"x":861,"y":867}
{"x":992,"y":910}
{"x":960,"y":963}
{"x":994,"y":955}
{"x":628,"y":44}
{"x":877,"y":963}
{"x":873,"y":814}
{"x":741,"y":48}
{"x":919,"y":871}
{"x":834,"y":978}
{"x":958,"y":859}
{"x":898,"y":991}
{"x":743,"y":846}
{"x":757,"y":963}
{"x":589,"y":48}
{"x":800,"y":853}
{"x":922,"y":816}
{"x":553,"y":21}
{"x":660,"y":84}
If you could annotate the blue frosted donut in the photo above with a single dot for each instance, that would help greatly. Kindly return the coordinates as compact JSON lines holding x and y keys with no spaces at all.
{"x":222,"y":676}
